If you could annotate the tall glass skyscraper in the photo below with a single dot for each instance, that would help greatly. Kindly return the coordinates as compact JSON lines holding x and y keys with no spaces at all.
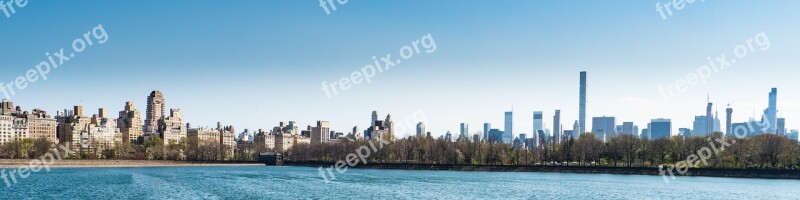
{"x":465,"y":130}
{"x":603,"y":127}
{"x":537,"y":121}
{"x":771,"y":113}
{"x":486,"y":128}
{"x":557,"y":126}
{"x":508,"y":136}
{"x":660,"y":128}
{"x":582,"y":105}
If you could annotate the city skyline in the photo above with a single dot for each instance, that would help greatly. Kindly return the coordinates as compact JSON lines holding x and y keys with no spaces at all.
{"x":261,"y":77}
{"x":605,"y":128}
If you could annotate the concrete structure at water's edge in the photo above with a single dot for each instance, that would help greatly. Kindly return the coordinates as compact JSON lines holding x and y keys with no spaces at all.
{"x":271,"y":158}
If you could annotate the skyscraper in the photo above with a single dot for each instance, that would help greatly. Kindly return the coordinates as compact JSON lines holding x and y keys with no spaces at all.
{"x":781,"y":127}
{"x":627,"y":128}
{"x":575,"y":133}
{"x":320,"y":133}
{"x":557,"y":126}
{"x":582,"y":105}
{"x":509,"y":131}
{"x":771,"y":113}
{"x":156,"y":109}
{"x":486,"y":128}
{"x":420,"y":130}
{"x":700,"y":126}
{"x":709,"y":118}
{"x":465,"y":131}
{"x":728,"y":113}
{"x":374,"y":117}
{"x":537,"y":121}
{"x":130,"y":124}
{"x":603,"y":127}
{"x":660,"y":128}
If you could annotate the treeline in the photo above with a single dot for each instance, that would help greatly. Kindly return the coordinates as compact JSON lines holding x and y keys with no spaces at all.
{"x":153,"y":148}
{"x":765,"y":151}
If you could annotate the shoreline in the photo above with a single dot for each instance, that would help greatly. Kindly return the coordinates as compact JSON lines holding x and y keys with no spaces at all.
{"x":16,"y":163}
{"x":647,"y":171}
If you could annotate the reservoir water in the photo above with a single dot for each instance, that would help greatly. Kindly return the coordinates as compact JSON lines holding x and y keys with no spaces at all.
{"x":261,"y":182}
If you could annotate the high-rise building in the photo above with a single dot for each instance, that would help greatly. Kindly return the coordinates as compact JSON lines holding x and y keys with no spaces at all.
{"x":684,"y":132}
{"x":627,"y":128}
{"x":420,"y":130}
{"x":464,"y":131}
{"x":495,"y":136}
{"x":728,"y":127}
{"x":486,"y":128}
{"x":374,"y":117}
{"x":156,"y":109}
{"x":660,"y":128}
{"x":709,"y":118}
{"x":40,"y":125}
{"x":73,"y":128}
{"x":7,"y":107}
{"x":172,"y":129}
{"x":575,"y":133}
{"x":103,"y":131}
{"x":700,"y":126}
{"x":381,"y":129}
{"x":603,"y":127}
{"x":771,"y":113}
{"x":537,"y":121}
{"x":781,"y":128}
{"x":319,"y":134}
{"x":557,"y":126}
{"x":509,"y":131}
{"x":717,"y":124}
{"x":582,"y":104}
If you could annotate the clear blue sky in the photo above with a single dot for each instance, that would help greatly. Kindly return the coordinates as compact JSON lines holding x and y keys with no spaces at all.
{"x":255,"y":63}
